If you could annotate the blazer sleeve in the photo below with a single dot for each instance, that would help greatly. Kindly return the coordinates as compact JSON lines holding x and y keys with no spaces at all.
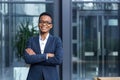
{"x":31,"y":59}
{"x":58,"y":59}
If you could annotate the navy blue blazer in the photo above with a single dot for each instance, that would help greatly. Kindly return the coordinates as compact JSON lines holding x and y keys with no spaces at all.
{"x":40,"y":66}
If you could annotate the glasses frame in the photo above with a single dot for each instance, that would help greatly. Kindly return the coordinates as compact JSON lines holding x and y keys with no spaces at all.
{"x":45,"y":22}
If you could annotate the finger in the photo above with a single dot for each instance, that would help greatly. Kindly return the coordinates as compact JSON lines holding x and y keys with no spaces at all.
{"x":26,"y":50}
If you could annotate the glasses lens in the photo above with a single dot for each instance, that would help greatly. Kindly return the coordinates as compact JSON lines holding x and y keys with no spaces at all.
{"x":45,"y":22}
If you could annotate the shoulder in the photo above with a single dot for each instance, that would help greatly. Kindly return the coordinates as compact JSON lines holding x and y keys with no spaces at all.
{"x":55,"y":37}
{"x":33,"y":37}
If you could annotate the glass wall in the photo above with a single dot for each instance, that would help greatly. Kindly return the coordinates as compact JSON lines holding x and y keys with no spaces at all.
{"x":95,"y":39}
{"x":12,"y":15}
{"x":0,"y":44}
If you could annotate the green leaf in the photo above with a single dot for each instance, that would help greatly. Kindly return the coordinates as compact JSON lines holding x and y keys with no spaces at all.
{"x":22,"y":36}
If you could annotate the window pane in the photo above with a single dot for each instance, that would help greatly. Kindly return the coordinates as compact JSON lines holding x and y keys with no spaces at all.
{"x":95,"y":39}
{"x":31,"y":9}
{"x":12,"y":15}
{"x":33,"y":0}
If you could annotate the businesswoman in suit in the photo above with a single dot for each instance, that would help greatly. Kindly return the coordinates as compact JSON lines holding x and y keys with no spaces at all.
{"x":44,"y":52}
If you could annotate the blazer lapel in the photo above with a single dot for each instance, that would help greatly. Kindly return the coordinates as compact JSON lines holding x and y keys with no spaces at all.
{"x":37,"y":44}
{"x":48,"y":43}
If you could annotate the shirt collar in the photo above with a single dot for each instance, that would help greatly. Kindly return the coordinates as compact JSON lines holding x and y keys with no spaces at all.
{"x":46,"y":37}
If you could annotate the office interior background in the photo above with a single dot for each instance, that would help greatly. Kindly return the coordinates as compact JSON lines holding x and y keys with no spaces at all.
{"x":89,"y":29}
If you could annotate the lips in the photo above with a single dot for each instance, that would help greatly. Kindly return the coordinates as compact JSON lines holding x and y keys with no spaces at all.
{"x":44,"y":28}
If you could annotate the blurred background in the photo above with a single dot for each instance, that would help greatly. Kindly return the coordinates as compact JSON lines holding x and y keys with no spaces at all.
{"x":89,"y":29}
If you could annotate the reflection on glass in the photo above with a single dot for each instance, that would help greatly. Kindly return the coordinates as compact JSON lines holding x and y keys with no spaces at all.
{"x":0,"y":45}
{"x":113,"y":22}
{"x":3,"y":8}
{"x":33,"y":0}
{"x":12,"y":14}
{"x":95,"y":40}
{"x":96,"y":6}
{"x":31,"y":9}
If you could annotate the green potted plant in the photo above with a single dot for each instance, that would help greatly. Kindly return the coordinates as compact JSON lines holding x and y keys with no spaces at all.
{"x":23,"y":33}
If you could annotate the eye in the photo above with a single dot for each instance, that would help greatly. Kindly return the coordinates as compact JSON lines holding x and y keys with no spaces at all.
{"x":45,"y":22}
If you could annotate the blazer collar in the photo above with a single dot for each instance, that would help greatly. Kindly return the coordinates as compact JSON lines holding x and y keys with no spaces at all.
{"x":37,"y":44}
{"x":47,"y":44}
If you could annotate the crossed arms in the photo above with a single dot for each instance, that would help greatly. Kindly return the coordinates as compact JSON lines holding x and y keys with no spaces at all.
{"x":47,"y":58}
{"x":31,"y":52}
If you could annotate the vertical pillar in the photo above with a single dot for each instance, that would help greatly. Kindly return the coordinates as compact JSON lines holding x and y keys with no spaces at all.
{"x":58,"y":25}
{"x":119,"y":37}
{"x":66,"y":33}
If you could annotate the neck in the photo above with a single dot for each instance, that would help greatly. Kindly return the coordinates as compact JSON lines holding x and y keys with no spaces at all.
{"x":43,"y":35}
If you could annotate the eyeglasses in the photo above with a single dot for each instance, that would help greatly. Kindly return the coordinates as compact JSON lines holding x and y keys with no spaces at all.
{"x":45,"y":22}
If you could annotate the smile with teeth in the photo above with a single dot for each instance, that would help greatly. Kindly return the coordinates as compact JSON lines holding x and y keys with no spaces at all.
{"x":43,"y":28}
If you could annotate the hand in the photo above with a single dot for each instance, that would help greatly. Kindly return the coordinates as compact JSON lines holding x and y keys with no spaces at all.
{"x":49,"y":55}
{"x":30,"y":51}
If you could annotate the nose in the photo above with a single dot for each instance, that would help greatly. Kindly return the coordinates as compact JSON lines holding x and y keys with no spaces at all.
{"x":44,"y":23}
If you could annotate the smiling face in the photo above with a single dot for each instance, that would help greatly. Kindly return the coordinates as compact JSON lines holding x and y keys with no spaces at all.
{"x":45,"y":24}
